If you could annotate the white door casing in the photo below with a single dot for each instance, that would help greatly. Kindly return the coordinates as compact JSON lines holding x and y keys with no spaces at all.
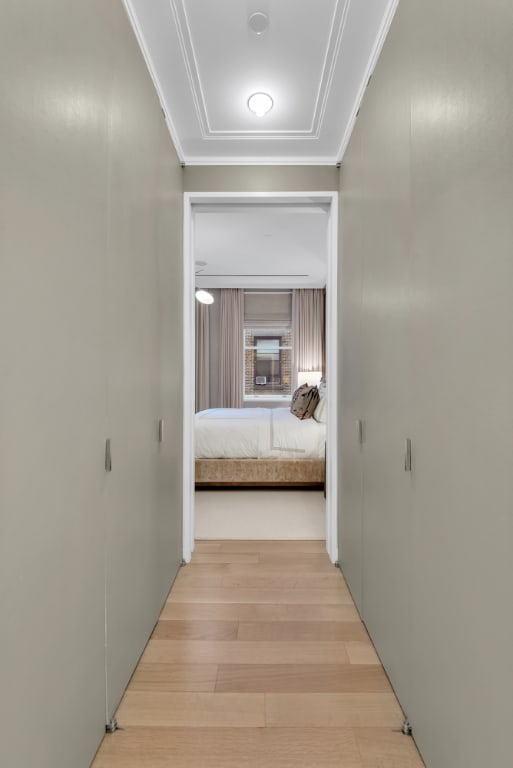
{"x":219,"y":198}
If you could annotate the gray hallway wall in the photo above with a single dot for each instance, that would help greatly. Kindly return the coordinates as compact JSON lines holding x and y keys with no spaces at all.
{"x":90,"y":266}
{"x":260,"y":178}
{"x":427,"y":337}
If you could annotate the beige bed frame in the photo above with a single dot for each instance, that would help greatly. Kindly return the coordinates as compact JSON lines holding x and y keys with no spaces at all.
{"x":298,"y":473}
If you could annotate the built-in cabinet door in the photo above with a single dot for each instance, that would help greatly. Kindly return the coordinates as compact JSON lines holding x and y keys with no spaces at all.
{"x":133,"y":374}
{"x":350,"y":431}
{"x":387,"y":482}
{"x":437,"y":366}
{"x":462,"y":369}
{"x":53,"y":157}
{"x":169,"y":202}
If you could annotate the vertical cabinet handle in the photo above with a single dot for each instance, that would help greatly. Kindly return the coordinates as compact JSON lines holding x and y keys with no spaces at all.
{"x":407,"y":455}
{"x":359,"y":430}
{"x":108,"y":457}
{"x":161,"y":430}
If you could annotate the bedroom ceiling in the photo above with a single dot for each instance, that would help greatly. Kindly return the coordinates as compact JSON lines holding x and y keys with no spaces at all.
{"x":261,"y":246}
{"x":313,"y":58}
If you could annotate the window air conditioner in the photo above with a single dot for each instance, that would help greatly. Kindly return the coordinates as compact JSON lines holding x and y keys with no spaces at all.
{"x":260,"y":379}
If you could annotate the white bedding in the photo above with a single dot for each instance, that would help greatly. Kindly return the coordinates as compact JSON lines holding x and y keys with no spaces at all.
{"x":257,"y":433}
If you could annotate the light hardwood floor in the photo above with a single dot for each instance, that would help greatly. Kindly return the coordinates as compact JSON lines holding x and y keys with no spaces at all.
{"x":259,"y":660}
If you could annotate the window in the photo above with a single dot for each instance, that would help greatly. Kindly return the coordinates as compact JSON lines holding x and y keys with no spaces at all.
{"x":267,"y":363}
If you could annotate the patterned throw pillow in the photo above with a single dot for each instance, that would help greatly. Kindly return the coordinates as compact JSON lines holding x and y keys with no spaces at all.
{"x":304,"y":401}
{"x":298,"y":391}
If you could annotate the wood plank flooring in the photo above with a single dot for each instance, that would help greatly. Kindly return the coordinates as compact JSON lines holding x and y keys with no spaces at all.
{"x":259,"y":660}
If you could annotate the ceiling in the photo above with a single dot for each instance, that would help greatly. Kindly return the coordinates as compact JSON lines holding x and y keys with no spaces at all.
{"x":314,"y":58}
{"x":261,"y":246}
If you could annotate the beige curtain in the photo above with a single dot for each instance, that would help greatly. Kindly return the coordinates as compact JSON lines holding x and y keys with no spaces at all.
{"x":308,"y":318}
{"x":231,"y":363}
{"x":202,"y":357}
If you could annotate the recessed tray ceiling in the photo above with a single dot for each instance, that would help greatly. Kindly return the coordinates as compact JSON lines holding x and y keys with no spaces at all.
{"x":314,"y":59}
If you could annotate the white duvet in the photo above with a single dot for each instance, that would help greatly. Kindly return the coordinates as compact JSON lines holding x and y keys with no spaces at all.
{"x":257,"y":433}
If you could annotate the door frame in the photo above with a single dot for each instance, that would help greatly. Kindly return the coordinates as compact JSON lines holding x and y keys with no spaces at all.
{"x":205,"y":198}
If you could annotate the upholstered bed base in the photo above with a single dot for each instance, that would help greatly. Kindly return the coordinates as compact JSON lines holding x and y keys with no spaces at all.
{"x":260,"y":472}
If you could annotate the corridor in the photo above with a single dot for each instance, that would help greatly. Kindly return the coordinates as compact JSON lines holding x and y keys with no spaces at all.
{"x":259,"y":660}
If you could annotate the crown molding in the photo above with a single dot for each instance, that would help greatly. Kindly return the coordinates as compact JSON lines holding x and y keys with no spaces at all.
{"x":251,"y":160}
{"x":373,"y":58}
{"x":155,"y":79}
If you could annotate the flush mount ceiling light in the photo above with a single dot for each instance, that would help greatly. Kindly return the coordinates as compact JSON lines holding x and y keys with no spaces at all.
{"x":260,"y":104}
{"x":204,"y":297}
{"x":258,"y":22}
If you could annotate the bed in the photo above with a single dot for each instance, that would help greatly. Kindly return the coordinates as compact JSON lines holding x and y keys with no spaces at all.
{"x":258,"y":447}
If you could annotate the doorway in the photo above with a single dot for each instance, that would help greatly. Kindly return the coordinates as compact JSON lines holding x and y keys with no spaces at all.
{"x":330,"y":201}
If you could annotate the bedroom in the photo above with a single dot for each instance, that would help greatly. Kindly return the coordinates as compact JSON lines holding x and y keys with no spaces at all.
{"x":261,"y":472}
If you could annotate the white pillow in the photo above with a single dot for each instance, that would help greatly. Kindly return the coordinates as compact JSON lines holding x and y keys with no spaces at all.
{"x":321,"y":410}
